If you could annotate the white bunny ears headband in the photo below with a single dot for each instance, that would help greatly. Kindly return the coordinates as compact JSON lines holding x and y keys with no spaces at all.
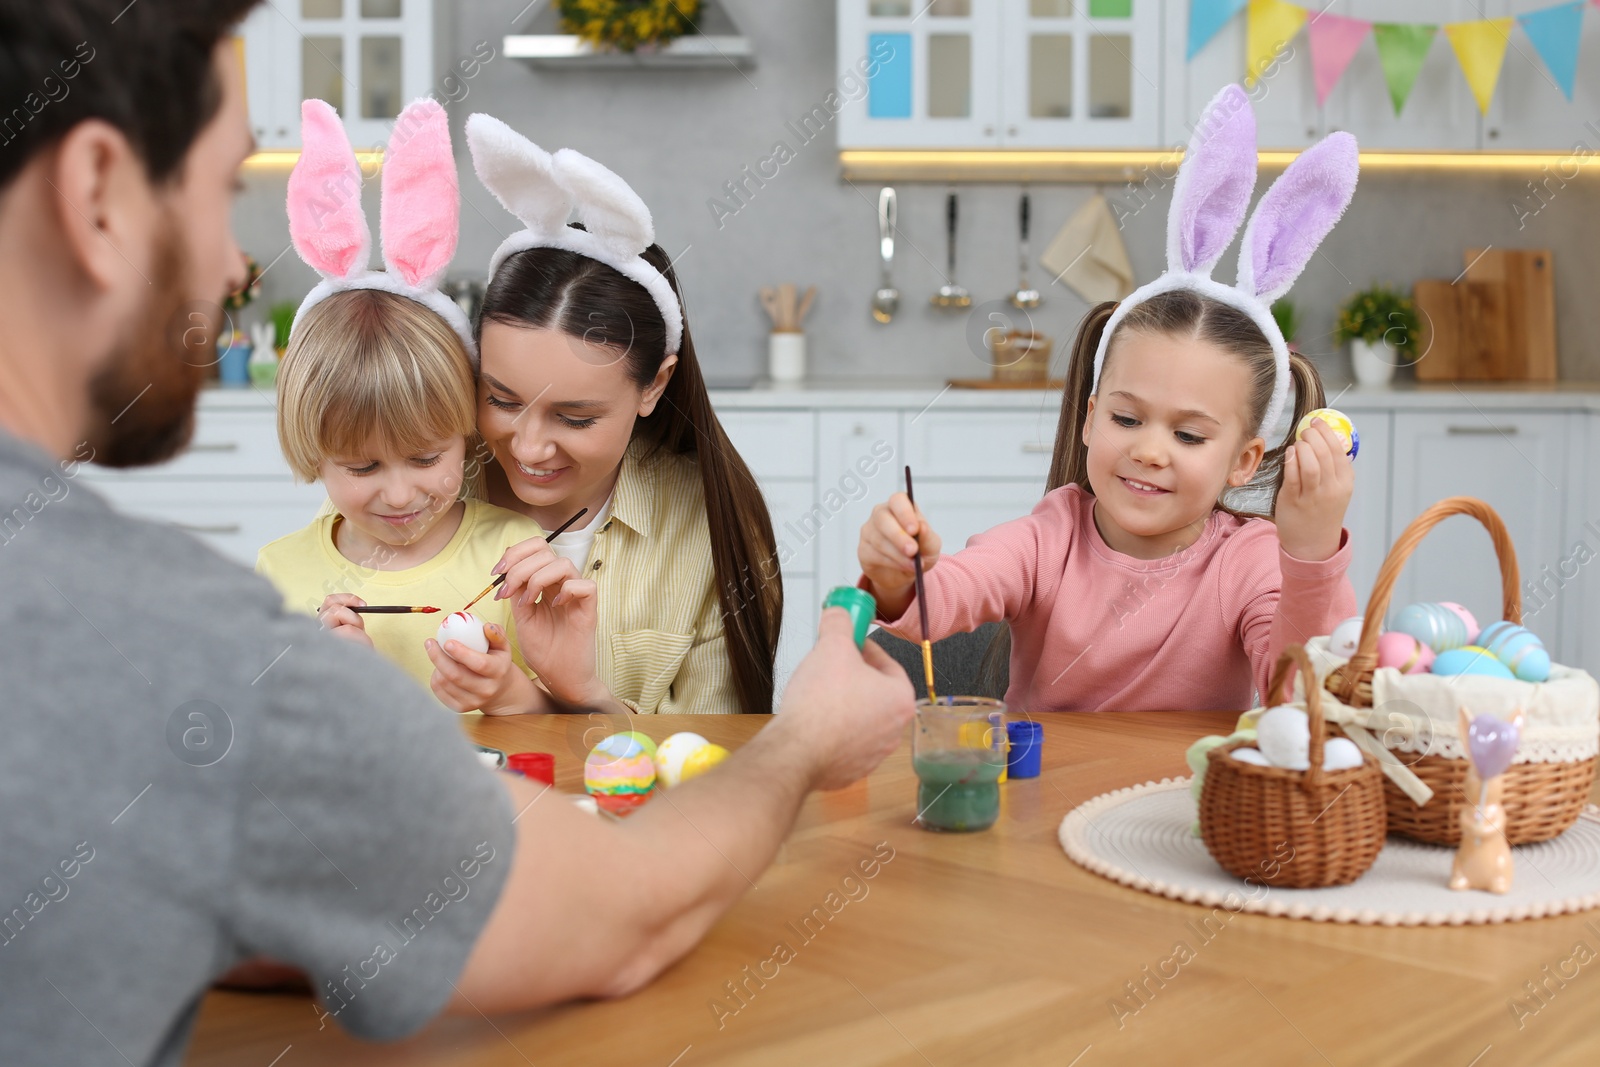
{"x":421,"y":208}
{"x":542,"y":190}
{"x":1209,"y":200}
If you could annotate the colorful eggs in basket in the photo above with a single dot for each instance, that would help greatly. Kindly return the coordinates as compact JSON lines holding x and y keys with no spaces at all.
{"x":620,"y":772}
{"x":1338,"y":422}
{"x":1345,"y":637}
{"x":1439,"y":626}
{"x":1470,"y":659}
{"x":684,"y":756}
{"x":1519,"y":648}
{"x":1283,"y":734}
{"x":1404,"y":653}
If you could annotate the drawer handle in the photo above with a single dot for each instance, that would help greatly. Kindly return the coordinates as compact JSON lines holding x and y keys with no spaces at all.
{"x":215,"y":446}
{"x":1479,"y":431}
{"x":210,"y":528}
{"x":1038,"y":447}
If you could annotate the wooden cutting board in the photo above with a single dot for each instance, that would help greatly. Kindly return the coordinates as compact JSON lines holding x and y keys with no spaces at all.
{"x":1494,"y":323}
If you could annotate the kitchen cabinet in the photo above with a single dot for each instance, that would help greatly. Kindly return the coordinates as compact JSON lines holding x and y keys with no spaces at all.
{"x":368,"y":58}
{"x":1529,"y":111}
{"x":1001,"y":73}
{"x":860,"y":463}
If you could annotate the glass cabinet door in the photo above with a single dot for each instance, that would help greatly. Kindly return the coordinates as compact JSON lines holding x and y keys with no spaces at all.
{"x":1081,"y":73}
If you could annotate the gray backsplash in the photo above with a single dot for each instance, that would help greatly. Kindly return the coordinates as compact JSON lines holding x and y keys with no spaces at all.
{"x":677,"y":137}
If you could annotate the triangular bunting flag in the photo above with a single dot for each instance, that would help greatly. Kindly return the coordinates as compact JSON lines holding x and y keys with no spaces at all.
{"x":1554,"y":33}
{"x":1334,"y":40}
{"x":1273,"y":23}
{"x":1480,"y":49}
{"x":1401,"y":50}
{"x":1206,"y":17}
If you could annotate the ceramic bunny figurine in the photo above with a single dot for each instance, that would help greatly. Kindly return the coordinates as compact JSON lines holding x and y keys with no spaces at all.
{"x":1483,"y":860}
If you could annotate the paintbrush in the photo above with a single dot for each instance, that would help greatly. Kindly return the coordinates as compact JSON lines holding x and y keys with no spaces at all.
{"x":552,"y":535}
{"x":392,"y":609}
{"x":922,"y":606}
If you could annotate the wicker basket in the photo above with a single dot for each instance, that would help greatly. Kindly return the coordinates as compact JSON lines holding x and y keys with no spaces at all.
{"x":1541,"y":799}
{"x":1296,"y":829}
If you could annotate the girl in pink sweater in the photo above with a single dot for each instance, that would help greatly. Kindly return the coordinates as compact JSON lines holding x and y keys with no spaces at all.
{"x":1174,"y":555}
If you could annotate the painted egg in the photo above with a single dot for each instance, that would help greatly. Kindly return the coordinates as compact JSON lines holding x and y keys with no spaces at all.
{"x":1404,"y":653}
{"x":1470,"y":659}
{"x":702,"y":760}
{"x":465,"y":627}
{"x":1435,"y":625}
{"x":1340,"y":754}
{"x":620,"y":774}
{"x":1467,"y":618}
{"x":1518,"y":648}
{"x":1250,"y":755}
{"x":670,"y":756}
{"x":641,"y":739}
{"x":1338,"y":422}
{"x":1346,"y":636}
{"x":1283,"y":735}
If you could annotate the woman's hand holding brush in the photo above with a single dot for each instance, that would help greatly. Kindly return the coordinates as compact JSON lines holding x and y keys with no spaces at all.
{"x":895,"y":534}
{"x":556,"y":616}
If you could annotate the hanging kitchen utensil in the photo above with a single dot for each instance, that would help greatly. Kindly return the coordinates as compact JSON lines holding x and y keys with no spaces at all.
{"x":886,"y":301}
{"x":1026,"y":296}
{"x":951,"y":295}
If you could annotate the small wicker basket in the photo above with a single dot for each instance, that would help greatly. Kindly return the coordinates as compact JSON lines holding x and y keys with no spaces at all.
{"x":1541,"y":799}
{"x":1295,"y":829}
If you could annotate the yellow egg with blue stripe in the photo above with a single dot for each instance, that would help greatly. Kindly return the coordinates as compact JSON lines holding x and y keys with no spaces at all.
{"x":1338,"y":422}
{"x":1519,"y":648}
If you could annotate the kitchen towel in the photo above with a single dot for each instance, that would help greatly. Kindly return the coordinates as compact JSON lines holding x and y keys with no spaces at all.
{"x":1088,"y":254}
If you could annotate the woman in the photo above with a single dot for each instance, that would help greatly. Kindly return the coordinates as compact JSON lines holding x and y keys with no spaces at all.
{"x":590,"y":396}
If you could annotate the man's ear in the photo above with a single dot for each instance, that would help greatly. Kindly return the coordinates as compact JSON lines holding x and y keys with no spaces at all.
{"x":1249,"y":460}
{"x":102,"y":202}
{"x":652,"y":393}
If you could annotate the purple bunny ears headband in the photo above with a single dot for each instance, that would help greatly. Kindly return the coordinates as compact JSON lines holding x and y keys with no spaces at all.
{"x":543,"y":190}
{"x":1209,"y":201}
{"x":421,"y":207}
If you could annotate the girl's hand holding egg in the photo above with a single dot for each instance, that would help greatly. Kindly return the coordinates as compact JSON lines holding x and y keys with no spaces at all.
{"x":468,"y":676}
{"x":892,"y":538}
{"x":335,"y":615}
{"x":556,"y":618}
{"x":1318,"y":479}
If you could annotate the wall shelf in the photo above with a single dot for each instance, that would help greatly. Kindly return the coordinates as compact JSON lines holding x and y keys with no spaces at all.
{"x":717,"y":44}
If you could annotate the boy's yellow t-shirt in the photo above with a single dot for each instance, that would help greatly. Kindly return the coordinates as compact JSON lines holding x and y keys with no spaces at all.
{"x":306,"y":566}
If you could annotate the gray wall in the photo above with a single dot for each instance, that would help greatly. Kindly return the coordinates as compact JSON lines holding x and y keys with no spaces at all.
{"x":678,"y":136}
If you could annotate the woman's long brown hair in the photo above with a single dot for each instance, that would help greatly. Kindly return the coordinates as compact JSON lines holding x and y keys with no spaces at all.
{"x":552,"y":288}
{"x":1175,"y":313}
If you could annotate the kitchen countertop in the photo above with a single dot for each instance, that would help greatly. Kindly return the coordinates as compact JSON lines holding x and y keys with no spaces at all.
{"x":911,"y":393}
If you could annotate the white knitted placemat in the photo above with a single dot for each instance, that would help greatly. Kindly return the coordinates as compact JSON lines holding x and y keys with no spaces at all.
{"x":1140,"y":837}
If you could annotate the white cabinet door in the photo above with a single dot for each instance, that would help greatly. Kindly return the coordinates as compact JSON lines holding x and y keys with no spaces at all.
{"x":1440,"y":113}
{"x":931,"y":70}
{"x":1368,"y":517}
{"x":1081,"y":73}
{"x":1284,"y":97}
{"x":957,"y":510}
{"x":859,"y":464}
{"x":1529,"y":111}
{"x":801,"y":605}
{"x":1514,"y":461}
{"x":235,"y":518}
{"x":982,"y":444}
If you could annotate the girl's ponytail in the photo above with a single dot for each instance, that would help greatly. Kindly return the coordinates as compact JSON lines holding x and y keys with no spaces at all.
{"x":1069,"y":461}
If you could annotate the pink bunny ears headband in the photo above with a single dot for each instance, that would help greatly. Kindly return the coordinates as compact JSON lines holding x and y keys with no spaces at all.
{"x":542,"y":190}
{"x":421,"y":209}
{"x":1209,"y":201}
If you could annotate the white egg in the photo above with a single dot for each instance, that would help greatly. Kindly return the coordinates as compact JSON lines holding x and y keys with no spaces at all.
{"x":1284,"y":736}
{"x":1345,"y":637}
{"x":1339,"y":754}
{"x":465,"y":627}
{"x":1250,"y":755}
{"x":671,"y":753}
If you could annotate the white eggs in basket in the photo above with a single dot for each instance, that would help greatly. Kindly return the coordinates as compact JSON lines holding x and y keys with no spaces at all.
{"x":1250,"y":755}
{"x":1345,"y":637}
{"x":1283,"y":734}
{"x":1340,"y":754}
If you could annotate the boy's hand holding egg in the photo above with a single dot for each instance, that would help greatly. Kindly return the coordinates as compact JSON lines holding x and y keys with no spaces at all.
{"x":473,"y":670}
{"x":1318,"y":478}
{"x":335,"y":615}
{"x":556,"y":618}
{"x":892,"y":538}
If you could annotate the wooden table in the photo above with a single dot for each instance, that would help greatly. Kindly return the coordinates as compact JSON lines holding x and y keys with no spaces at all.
{"x":995,"y":948}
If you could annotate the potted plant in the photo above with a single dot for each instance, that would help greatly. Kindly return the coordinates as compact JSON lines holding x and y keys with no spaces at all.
{"x":1381,"y":326}
{"x":628,"y":25}
{"x":1287,"y":316}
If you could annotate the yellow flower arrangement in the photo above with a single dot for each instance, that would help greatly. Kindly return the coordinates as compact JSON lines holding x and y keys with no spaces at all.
{"x":626,"y":25}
